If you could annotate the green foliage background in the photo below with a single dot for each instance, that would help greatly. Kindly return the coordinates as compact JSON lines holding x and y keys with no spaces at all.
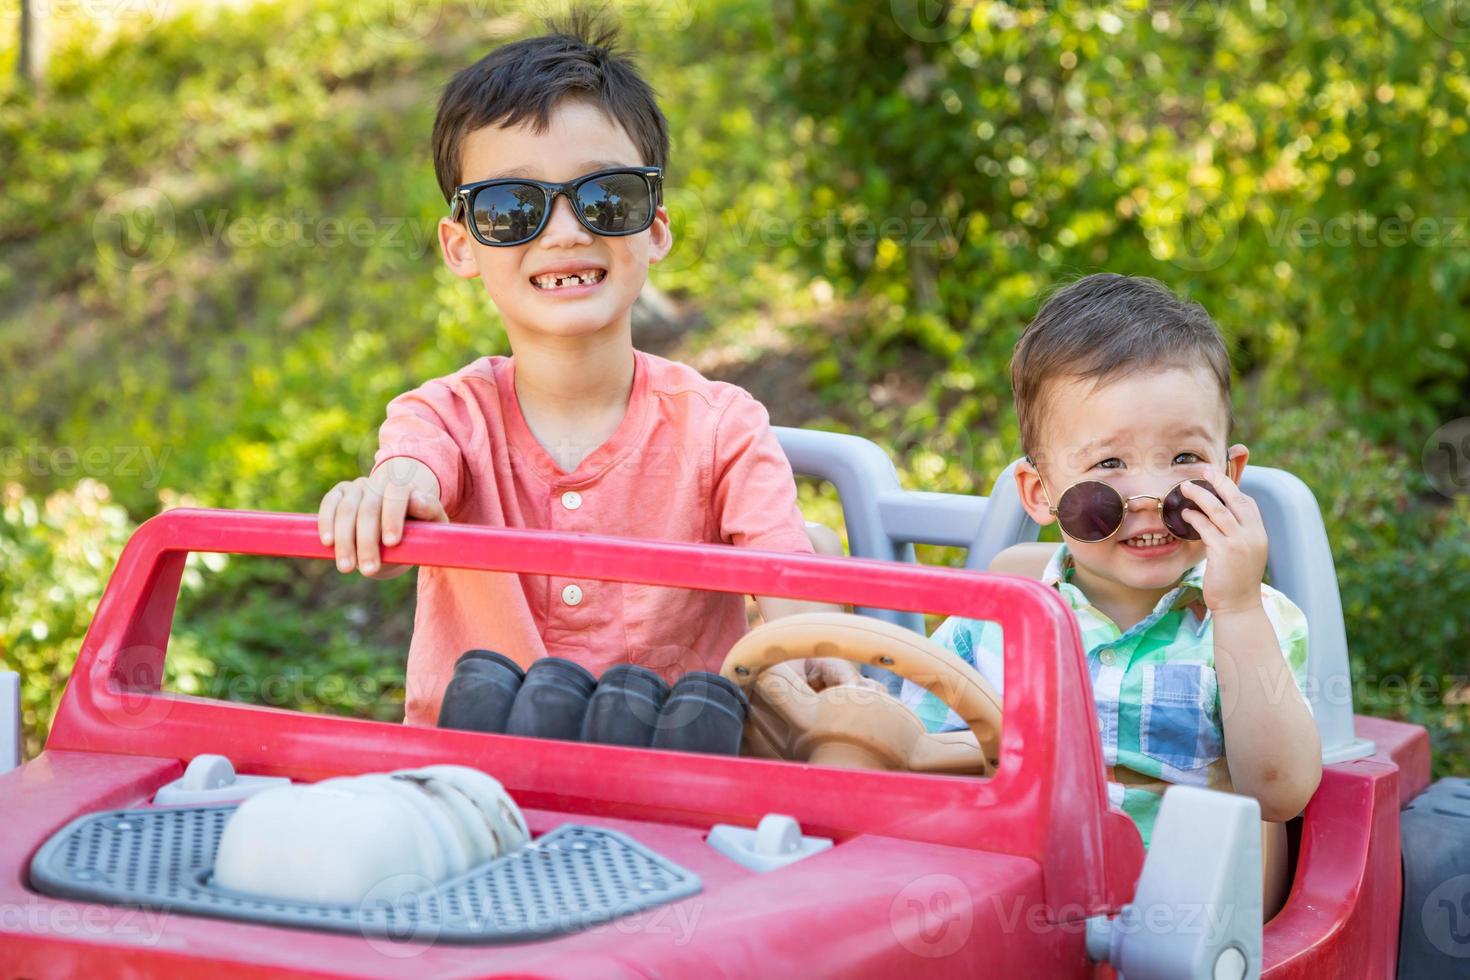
{"x":870,"y":201}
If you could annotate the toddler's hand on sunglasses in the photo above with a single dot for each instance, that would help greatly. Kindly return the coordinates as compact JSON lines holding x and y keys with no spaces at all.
{"x":356,"y":514}
{"x":1235,"y":543}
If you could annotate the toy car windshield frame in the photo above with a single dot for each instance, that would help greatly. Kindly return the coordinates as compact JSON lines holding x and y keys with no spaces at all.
{"x":1047,"y":799}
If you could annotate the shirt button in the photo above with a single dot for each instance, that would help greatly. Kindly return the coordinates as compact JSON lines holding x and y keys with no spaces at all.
{"x":1107,"y":658}
{"x":571,"y":500}
{"x":572,"y":595}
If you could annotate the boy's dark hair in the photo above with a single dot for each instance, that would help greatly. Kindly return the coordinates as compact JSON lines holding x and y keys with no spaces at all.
{"x":527,"y":79}
{"x":1105,"y":326}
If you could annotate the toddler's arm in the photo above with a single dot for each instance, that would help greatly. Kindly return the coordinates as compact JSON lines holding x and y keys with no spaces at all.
{"x":1271,"y":741}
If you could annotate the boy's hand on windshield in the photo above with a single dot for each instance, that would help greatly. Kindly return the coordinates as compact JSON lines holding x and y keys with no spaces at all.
{"x":1235,"y":543}
{"x":356,"y":515}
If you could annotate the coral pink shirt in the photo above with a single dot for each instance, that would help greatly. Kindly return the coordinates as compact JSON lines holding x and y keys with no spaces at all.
{"x":693,"y":460}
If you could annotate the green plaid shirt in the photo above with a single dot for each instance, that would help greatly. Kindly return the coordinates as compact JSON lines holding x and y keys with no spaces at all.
{"x":1154,"y":684}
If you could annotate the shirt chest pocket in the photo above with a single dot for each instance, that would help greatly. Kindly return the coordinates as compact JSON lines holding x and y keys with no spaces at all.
{"x":1179,"y":724}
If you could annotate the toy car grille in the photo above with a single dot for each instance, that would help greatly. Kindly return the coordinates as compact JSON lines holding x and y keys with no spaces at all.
{"x":565,"y":881}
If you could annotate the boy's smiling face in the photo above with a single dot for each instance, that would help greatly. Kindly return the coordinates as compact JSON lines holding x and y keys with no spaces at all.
{"x":579,"y":139}
{"x":1141,"y":433}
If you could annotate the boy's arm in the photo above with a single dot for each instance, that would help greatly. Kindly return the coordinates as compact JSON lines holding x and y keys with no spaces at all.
{"x":754,"y":494}
{"x":418,"y":474}
{"x":824,"y":541}
{"x":821,"y":672}
{"x":1271,"y":741}
{"x":773,"y":607}
{"x":1028,"y":560}
{"x":356,"y":514}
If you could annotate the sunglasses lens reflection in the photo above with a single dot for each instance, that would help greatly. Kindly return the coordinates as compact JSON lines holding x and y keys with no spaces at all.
{"x":1090,"y":511}
{"x":508,"y":214}
{"x":1175,"y":504}
{"x":616,"y":204}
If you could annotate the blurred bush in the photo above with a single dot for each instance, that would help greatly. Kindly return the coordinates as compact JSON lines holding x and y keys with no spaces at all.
{"x":1403,"y":568}
{"x":251,"y":630}
{"x":1296,"y":167}
{"x":55,"y":557}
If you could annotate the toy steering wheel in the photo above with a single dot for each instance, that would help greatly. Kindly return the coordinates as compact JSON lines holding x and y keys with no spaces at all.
{"x":853,"y":726}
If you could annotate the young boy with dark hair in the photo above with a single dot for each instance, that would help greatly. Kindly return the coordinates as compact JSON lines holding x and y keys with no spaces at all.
{"x":551,"y":152}
{"x":1123,"y":398}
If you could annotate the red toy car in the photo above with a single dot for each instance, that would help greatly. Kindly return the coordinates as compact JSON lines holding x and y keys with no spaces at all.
{"x":1026,"y":873}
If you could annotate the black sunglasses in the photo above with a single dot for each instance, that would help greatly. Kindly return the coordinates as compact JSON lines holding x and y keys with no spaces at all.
{"x":514,"y":210}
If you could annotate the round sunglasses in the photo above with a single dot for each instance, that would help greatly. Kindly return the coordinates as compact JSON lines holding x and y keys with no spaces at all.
{"x":514,"y":210}
{"x":1093,"y":511}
